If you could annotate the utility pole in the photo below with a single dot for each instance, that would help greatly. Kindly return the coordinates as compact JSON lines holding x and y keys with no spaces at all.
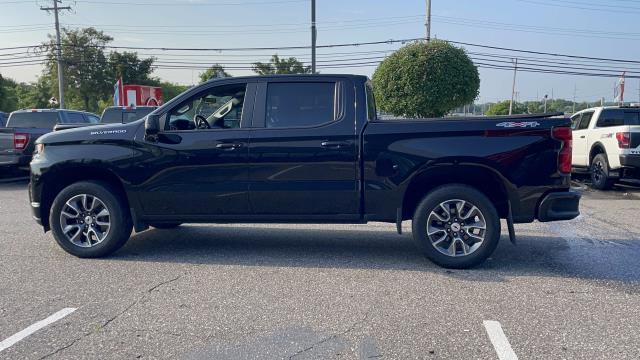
{"x":575,"y":88}
{"x":56,"y":9}
{"x":545,"y":102}
{"x":313,"y":36}
{"x":513,"y":88}
{"x":427,"y":23}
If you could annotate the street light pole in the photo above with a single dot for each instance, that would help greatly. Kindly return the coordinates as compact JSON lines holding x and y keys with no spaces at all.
{"x":313,"y":36}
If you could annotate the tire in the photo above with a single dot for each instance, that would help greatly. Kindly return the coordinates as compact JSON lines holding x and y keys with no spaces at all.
{"x":600,"y":177}
{"x":165,"y":225}
{"x":437,"y":246}
{"x":87,"y":236}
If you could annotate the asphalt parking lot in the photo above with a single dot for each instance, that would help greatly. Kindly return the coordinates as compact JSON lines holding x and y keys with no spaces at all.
{"x":568,"y":290}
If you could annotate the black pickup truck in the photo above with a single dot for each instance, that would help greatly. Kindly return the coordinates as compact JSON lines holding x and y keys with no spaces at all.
{"x":302,"y":149}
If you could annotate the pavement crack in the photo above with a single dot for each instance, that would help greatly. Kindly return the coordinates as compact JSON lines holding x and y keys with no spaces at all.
{"x":113,"y":318}
{"x":331,"y":337}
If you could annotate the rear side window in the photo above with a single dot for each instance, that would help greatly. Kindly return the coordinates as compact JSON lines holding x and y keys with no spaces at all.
{"x":75,"y":118}
{"x":41,"y":120}
{"x":300,"y":104}
{"x":93,"y":119}
{"x":611,"y":117}
{"x":585,"y":120}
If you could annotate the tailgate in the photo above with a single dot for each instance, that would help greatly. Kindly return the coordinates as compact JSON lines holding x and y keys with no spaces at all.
{"x":6,"y":140}
{"x":635,"y":137}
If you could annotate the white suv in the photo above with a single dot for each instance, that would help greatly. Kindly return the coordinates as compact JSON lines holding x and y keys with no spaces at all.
{"x":606,"y":142}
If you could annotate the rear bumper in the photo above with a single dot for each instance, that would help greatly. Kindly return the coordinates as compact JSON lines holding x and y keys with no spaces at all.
{"x":14,"y":160}
{"x":559,"y":206}
{"x":632,"y":161}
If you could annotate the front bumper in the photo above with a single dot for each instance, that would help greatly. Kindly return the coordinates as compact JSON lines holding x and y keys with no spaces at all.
{"x":35,"y":206}
{"x":559,"y":206}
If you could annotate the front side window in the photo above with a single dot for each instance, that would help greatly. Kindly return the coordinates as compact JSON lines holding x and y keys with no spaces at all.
{"x":93,"y":119}
{"x":585,"y":120}
{"x":300,"y":104}
{"x":575,"y":121}
{"x":75,"y":118}
{"x":219,"y":107}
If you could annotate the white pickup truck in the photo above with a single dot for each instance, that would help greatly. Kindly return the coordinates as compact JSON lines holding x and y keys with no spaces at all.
{"x":606,"y":143}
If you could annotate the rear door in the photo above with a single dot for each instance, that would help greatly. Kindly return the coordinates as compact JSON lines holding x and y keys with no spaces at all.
{"x":303,"y":150}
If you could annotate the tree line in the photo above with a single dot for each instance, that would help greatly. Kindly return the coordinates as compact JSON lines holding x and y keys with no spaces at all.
{"x":90,"y":72}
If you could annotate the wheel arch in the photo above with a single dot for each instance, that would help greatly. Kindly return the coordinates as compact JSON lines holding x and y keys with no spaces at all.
{"x":597,"y":148}
{"x":480,"y":177}
{"x":59,"y":178}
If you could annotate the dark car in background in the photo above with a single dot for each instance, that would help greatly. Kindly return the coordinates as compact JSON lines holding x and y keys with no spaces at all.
{"x":125,"y":114}
{"x":3,"y":119}
{"x":24,"y":127}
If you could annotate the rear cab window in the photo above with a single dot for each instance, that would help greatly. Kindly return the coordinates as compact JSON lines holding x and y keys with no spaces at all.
{"x":35,"y":119}
{"x":300,"y":104}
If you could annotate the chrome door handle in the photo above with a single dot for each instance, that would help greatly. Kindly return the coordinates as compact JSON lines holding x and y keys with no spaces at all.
{"x":228,"y":146}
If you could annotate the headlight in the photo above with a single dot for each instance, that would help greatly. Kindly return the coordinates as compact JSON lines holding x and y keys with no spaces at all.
{"x":39,"y":149}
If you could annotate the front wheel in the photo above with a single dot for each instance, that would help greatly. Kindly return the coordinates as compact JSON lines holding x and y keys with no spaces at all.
{"x":88,"y":219}
{"x":456,"y":226}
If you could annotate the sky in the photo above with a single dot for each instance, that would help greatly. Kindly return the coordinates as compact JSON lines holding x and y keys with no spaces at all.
{"x":578,"y":27}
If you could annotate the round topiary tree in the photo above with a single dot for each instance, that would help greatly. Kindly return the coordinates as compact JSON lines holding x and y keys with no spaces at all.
{"x":425,"y":80}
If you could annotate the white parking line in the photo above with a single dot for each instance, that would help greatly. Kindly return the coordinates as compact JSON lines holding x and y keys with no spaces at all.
{"x":11,"y":340}
{"x":499,"y":340}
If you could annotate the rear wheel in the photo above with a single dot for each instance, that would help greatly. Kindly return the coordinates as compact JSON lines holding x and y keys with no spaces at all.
{"x":600,"y":177}
{"x":88,"y":219}
{"x":456,"y":226}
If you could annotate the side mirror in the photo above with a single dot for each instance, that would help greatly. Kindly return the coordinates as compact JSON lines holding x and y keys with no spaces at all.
{"x":152,"y":127}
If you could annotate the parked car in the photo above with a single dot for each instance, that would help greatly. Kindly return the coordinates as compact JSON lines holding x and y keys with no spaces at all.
{"x":125,"y":114}
{"x":606,"y":143}
{"x":303,"y":148}
{"x":23,"y":127}
{"x":3,"y":119}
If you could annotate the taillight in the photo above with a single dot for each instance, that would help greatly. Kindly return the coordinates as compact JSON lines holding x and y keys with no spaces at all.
{"x":20,"y":141}
{"x":565,"y":135}
{"x":624,"y":140}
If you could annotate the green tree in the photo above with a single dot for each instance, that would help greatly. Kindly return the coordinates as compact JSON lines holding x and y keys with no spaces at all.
{"x":425,"y":80}
{"x":171,"y":90}
{"x":502,"y":108}
{"x":8,"y":96}
{"x":281,"y":66}
{"x":213,"y":72}
{"x":129,"y":67}
{"x":35,"y":95}
{"x":86,"y":70}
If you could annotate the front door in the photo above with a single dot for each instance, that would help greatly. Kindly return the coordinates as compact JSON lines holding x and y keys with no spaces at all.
{"x":198,"y":167}
{"x":580,"y":139}
{"x":303,"y":150}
